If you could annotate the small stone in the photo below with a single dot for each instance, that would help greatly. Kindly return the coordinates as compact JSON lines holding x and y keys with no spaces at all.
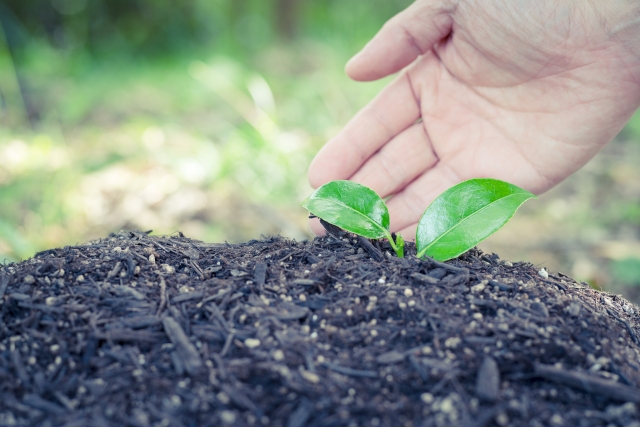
{"x":251,"y":343}
{"x":427,"y":398}
{"x":448,"y":407}
{"x":502,"y":419}
{"x":223,"y":398}
{"x":29,"y":279}
{"x":543,"y":273}
{"x":408,"y":293}
{"x":80,"y":278}
{"x":152,"y":259}
{"x":228,"y":417}
{"x":278,"y":355}
{"x":573,"y":309}
{"x":452,"y":342}
{"x":556,"y":420}
{"x":310,"y":376}
{"x":503,"y":327}
{"x":478,"y":288}
{"x":169,"y":269}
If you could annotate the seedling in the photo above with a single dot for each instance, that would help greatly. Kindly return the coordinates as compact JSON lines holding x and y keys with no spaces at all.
{"x":355,"y":208}
{"x":456,"y":221}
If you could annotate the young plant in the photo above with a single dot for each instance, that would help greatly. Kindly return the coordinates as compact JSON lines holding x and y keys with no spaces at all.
{"x":456,"y":220}
{"x":355,"y":208}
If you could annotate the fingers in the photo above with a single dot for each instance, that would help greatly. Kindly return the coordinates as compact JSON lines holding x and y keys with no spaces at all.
{"x":392,"y":111}
{"x":315,"y":227}
{"x":398,"y":162}
{"x":402,"y":39}
{"x":407,"y":206}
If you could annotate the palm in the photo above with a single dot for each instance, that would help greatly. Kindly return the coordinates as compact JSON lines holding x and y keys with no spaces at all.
{"x":528,"y":103}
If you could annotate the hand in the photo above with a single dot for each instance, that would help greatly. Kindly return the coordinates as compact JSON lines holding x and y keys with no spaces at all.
{"x":526,"y":92}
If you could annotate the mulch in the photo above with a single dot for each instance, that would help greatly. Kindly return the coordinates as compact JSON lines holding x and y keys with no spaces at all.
{"x":138,"y":330}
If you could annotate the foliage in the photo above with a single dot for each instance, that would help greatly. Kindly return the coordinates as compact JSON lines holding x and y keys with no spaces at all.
{"x":465,"y":215}
{"x":355,"y":208}
{"x":456,"y":220}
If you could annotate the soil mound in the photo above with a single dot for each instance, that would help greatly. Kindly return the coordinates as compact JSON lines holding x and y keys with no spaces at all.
{"x":134,"y":330}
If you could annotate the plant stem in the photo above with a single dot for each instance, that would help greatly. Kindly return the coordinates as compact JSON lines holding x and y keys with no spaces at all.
{"x":398,"y":245}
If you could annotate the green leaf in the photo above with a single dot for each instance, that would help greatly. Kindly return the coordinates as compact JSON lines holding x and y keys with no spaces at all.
{"x":350,"y":206}
{"x":465,"y":215}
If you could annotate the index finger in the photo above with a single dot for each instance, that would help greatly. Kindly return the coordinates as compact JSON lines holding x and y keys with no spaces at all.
{"x":392,"y":111}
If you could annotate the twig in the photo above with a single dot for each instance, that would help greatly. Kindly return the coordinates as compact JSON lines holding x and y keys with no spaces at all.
{"x":589,"y":384}
{"x":626,"y":325}
{"x":371,"y":250}
{"x":348,"y":371}
{"x":163,"y":296}
{"x":186,"y":350}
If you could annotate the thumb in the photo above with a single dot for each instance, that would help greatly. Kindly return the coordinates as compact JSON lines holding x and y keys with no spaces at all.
{"x":402,"y":39}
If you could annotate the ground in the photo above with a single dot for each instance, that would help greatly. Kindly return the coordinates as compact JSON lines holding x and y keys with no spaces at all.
{"x":141,"y":330}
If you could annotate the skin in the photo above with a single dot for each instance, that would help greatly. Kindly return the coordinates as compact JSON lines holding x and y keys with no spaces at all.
{"x":524,"y":91}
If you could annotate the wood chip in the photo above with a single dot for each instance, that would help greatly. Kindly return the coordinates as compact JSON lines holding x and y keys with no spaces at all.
{"x":392,"y":356}
{"x":488,"y":380}
{"x":590,"y":384}
{"x":186,"y":350}
{"x":260,"y":274}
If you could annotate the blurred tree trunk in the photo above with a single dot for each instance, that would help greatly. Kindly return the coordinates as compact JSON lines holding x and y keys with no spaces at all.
{"x":287,"y":18}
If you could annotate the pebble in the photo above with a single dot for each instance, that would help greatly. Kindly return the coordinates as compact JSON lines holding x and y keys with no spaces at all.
{"x":278,"y":355}
{"x":573,"y":309}
{"x":310,"y":376}
{"x":452,"y":342}
{"x":556,"y":420}
{"x":169,"y":269}
{"x":228,"y":417}
{"x":426,"y":398}
{"x":478,"y":288}
{"x":408,"y":293}
{"x":29,"y":279}
{"x":251,"y":343}
{"x":543,"y":273}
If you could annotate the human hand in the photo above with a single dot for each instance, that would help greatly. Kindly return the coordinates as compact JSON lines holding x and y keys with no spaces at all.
{"x":526,"y":92}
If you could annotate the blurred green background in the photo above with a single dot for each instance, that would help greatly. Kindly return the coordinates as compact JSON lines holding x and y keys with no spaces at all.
{"x":203,"y":115}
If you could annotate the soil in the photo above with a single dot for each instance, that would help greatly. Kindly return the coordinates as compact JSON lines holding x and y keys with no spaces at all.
{"x":135,"y":330}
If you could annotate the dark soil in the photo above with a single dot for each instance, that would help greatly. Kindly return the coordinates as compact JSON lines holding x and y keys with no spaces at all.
{"x":135,"y":330}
